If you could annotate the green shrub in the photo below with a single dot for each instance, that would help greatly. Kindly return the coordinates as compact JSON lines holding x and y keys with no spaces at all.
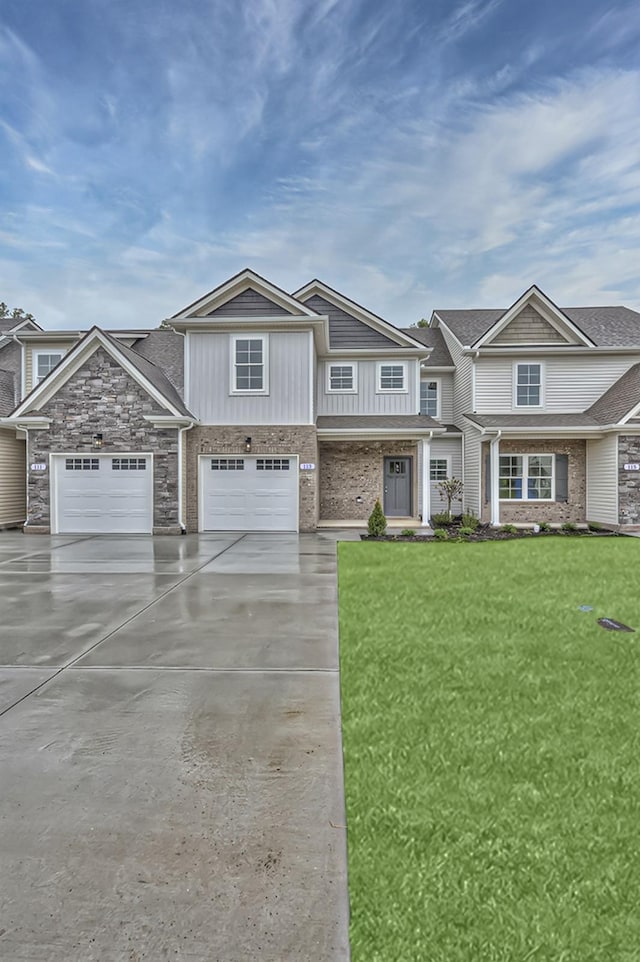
{"x":594,"y":526}
{"x":470,"y":521}
{"x":465,"y":530}
{"x":407,"y":533}
{"x":441,"y":534}
{"x":437,"y":519}
{"x":545,"y":526}
{"x":377,"y":524}
{"x":509,"y":529}
{"x":569,"y":527}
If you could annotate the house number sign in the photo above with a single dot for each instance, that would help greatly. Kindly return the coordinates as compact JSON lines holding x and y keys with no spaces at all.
{"x":39,"y":467}
{"x":632,"y":467}
{"x":307,"y":467}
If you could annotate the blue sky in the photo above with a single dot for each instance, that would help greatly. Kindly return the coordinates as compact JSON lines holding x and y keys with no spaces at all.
{"x":416,"y":154}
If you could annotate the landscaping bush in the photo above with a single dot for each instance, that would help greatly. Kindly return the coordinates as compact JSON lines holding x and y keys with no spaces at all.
{"x":451,"y":489}
{"x":466,"y":530}
{"x":509,"y":529}
{"x":594,"y":526}
{"x":437,"y":519}
{"x":545,"y":526}
{"x":377,"y":524}
{"x":441,"y":534}
{"x":569,"y":527}
{"x":470,"y":521}
{"x":408,"y":533}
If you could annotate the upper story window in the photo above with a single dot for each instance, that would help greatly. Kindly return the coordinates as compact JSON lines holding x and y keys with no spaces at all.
{"x":341,"y":377}
{"x":392,"y":378}
{"x":430,"y":398}
{"x":528,"y":385}
{"x":249,"y":365}
{"x":45,"y":361}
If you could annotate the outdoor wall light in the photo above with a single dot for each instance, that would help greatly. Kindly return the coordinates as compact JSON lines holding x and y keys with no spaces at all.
{"x":97,"y":441}
{"x":247,"y":445}
{"x":359,"y":499}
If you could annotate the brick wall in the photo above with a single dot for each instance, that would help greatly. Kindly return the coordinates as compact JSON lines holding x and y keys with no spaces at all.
{"x":575,"y":509}
{"x":102,"y":398}
{"x":349,"y":469}
{"x":628,"y":481}
{"x":287,"y":439}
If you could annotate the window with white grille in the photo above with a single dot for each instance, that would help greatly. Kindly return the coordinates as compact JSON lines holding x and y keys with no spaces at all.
{"x":273,"y":464}
{"x":82,"y":464}
{"x":227,"y":464}
{"x":128,"y":464}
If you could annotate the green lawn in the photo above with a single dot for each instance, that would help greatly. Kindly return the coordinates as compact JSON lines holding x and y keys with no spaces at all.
{"x":492,"y":750}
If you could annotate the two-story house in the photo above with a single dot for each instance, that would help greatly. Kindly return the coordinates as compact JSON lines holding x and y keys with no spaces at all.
{"x":257,"y":409}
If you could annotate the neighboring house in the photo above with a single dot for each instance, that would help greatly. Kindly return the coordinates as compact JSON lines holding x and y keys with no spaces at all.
{"x":256,"y":409}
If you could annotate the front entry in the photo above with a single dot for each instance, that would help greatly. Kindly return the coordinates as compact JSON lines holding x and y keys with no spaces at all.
{"x":397,"y":487}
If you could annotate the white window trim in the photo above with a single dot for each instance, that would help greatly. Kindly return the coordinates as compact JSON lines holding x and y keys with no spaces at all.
{"x":528,"y":407}
{"x":439,"y":457}
{"x":341,"y":390}
{"x":438,"y":381}
{"x":392,"y":390}
{"x":525,"y":475}
{"x":35,"y":354}
{"x":249,"y":336}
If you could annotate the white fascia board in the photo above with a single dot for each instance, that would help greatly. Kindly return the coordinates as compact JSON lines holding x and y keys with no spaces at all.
{"x":236,"y":285}
{"x":26,"y":422}
{"x":73,"y":360}
{"x":550,"y":312}
{"x":353,"y":434}
{"x":379,"y":353}
{"x":437,"y":368}
{"x":168,"y":420}
{"x":360,"y":313}
{"x":523,"y":432}
{"x":319,"y":324}
{"x":570,"y":350}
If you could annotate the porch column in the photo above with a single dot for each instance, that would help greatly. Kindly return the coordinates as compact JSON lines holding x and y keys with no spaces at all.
{"x":426,"y":481}
{"x":494,"y":460}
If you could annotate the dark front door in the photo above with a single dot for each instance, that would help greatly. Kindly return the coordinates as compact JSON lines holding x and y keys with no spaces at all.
{"x":397,"y":487}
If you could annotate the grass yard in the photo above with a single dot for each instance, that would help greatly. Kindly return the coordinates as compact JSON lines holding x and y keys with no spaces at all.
{"x":492,"y":750}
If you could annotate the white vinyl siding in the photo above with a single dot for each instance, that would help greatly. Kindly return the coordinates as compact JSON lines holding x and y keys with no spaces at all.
{"x":290,"y":381}
{"x":430,"y":394}
{"x":392,"y":377}
{"x":31,"y":349}
{"x":463,"y":404}
{"x":602,"y":480}
{"x":571,"y":384}
{"x":450,"y":450}
{"x":367,"y":400}
{"x":446,"y":398}
{"x":342,"y":376}
{"x":12,"y":479}
{"x":44,"y":362}
{"x":249,"y":364}
{"x":528,"y":387}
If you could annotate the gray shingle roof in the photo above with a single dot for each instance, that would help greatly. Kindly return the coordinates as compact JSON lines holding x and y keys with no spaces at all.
{"x":619,"y":399}
{"x":533,"y":420}
{"x":375,"y":422}
{"x":432,"y":337}
{"x":605,"y":326}
{"x":7,"y":392}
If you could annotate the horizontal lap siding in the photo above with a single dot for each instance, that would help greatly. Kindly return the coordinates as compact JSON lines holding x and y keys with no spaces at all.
{"x":441,"y":448}
{"x":289,"y":398}
{"x":602,"y":480}
{"x":463,"y":404}
{"x":13,"y":508}
{"x":571,"y":384}
{"x":54,"y":347}
{"x":367,"y":401}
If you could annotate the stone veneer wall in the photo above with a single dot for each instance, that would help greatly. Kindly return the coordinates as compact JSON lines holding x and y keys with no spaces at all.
{"x":557,"y":512}
{"x":102,"y":398}
{"x":352,"y":468}
{"x":286,"y":439}
{"x":628,"y":481}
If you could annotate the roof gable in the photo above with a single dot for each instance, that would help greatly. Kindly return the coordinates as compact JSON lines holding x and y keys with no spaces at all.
{"x":150,"y":377}
{"x":369,"y":330}
{"x":533,"y":319}
{"x":242,"y":296}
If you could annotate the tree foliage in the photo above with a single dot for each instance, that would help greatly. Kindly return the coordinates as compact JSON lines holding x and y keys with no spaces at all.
{"x":451,"y":489}
{"x":16,"y":313}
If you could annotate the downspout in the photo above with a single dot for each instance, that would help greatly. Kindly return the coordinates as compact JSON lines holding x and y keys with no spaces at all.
{"x":181,"y":520}
{"x":494,"y":460}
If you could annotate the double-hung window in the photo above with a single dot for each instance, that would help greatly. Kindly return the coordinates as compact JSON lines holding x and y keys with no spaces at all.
{"x":341,"y":378}
{"x":527,"y":477}
{"x":528,"y":385}
{"x":439,"y":469}
{"x":249,"y":365}
{"x":429,"y":398}
{"x":44,"y":362}
{"x":392,"y":378}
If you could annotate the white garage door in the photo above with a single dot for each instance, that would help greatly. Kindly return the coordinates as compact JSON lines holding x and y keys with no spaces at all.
{"x":103,"y":494}
{"x":248,"y":494}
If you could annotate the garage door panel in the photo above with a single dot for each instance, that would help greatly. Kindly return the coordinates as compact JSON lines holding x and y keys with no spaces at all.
{"x":249,"y":493}
{"x":105,"y":494}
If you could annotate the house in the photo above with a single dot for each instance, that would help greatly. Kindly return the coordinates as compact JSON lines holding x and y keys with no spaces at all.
{"x":258,"y":409}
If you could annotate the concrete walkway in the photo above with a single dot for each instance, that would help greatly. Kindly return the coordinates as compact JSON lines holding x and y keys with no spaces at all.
{"x":170,"y":754}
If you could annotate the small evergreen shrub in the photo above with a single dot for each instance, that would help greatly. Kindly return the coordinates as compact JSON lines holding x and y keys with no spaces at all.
{"x":569,"y":527}
{"x":545,"y":526}
{"x":470,"y":521}
{"x":407,"y":533}
{"x":441,"y":534}
{"x":437,"y":519}
{"x":509,"y":529}
{"x":465,"y":530}
{"x":377,"y":524}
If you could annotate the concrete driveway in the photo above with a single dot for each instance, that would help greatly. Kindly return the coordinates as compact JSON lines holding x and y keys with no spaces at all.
{"x":170,"y":754}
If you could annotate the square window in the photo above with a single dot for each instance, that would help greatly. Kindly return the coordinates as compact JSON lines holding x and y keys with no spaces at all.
{"x":341,"y":377}
{"x":527,"y":477}
{"x":392,"y":377}
{"x":429,"y":398}
{"x":45,"y":362}
{"x":438,"y":469}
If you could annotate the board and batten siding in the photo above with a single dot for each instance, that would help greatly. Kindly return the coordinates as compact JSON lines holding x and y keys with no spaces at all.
{"x":571,"y":384}
{"x":42,"y":347}
{"x":450,"y":448}
{"x":13,"y":505}
{"x":290,"y":380}
{"x":602,"y":479}
{"x":367,"y":401}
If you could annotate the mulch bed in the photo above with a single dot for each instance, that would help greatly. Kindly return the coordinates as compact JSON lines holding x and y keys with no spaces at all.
{"x":486,"y":533}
